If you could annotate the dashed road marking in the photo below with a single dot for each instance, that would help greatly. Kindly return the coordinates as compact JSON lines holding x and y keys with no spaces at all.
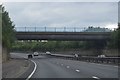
{"x":95,"y":77}
{"x":77,"y":70}
{"x":115,"y":66}
{"x":98,"y":64}
{"x":68,"y":66}
{"x":92,"y":63}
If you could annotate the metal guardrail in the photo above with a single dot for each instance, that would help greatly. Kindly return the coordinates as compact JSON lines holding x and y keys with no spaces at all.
{"x":108,"y":60}
{"x":114,"y":60}
{"x":62,"y":29}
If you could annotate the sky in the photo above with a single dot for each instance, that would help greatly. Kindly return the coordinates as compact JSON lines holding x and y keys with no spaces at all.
{"x":63,"y":14}
{"x":60,"y":0}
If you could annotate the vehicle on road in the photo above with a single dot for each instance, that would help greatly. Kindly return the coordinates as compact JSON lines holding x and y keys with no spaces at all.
{"x":35,"y":53}
{"x":30,"y":56}
{"x":101,"y":56}
{"x":48,"y":53}
{"x":77,"y":55}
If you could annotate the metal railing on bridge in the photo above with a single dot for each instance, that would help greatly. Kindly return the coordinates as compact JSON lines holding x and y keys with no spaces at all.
{"x":62,"y":29}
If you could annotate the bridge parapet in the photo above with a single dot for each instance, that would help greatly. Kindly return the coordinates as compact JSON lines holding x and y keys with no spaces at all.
{"x":45,"y":33}
{"x":63,"y":35}
{"x":62,"y":29}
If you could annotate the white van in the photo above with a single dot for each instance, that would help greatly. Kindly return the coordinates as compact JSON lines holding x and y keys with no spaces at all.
{"x":35,"y":54}
{"x":48,"y":53}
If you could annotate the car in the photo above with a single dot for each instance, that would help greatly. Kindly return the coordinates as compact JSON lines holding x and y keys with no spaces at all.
{"x":48,"y":53}
{"x":35,"y":53}
{"x":76,"y":55}
{"x":101,"y":56}
{"x":30,"y":56}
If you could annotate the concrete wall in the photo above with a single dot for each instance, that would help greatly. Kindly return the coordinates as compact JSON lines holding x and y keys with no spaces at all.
{"x":63,"y":36}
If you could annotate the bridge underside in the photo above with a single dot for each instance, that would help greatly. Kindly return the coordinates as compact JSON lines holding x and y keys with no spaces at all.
{"x":68,"y":36}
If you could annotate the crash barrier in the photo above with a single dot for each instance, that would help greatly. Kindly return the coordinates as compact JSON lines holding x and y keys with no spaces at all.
{"x":108,"y":60}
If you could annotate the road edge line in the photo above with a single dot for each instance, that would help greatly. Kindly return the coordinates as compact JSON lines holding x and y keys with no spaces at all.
{"x":33,"y":70}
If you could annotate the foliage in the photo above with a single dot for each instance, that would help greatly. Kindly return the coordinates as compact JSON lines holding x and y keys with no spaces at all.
{"x":97,"y":29}
{"x":115,"y":39}
{"x":0,"y":24}
{"x":55,"y":45}
{"x":7,"y":29}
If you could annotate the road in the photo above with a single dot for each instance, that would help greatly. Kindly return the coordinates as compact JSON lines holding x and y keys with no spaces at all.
{"x":62,"y":68}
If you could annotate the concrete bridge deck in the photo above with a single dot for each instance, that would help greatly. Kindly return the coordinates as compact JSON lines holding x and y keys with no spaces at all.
{"x":63,"y":35}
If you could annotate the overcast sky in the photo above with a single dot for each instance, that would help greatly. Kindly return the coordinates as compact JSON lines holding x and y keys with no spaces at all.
{"x":63,"y":14}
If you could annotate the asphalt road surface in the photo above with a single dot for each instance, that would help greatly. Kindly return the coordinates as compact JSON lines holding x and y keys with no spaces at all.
{"x":62,"y":68}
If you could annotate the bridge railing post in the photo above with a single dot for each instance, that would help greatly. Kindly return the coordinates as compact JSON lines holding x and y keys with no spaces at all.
{"x":74,"y":29}
{"x":45,"y":29}
{"x":55,"y":29}
{"x":25,"y":29}
{"x":64,"y":29}
{"x":84,"y":29}
{"x":35,"y":29}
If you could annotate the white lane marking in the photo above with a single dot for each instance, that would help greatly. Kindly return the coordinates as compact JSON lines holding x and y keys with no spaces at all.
{"x":62,"y":64}
{"x":68,"y":66}
{"x":77,"y":70}
{"x":95,"y":77}
{"x":115,"y":66}
{"x":32,"y":71}
{"x":92,"y":63}
{"x":25,"y":57}
{"x":98,"y":64}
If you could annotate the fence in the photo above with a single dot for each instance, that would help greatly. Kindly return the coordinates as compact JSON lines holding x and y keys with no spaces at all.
{"x":62,"y":29}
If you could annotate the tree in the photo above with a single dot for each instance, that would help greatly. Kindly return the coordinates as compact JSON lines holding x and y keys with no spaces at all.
{"x":115,"y":39}
{"x":8,"y":35}
{"x":7,"y":29}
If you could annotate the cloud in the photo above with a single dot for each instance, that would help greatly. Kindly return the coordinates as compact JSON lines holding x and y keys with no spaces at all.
{"x":61,"y":14}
